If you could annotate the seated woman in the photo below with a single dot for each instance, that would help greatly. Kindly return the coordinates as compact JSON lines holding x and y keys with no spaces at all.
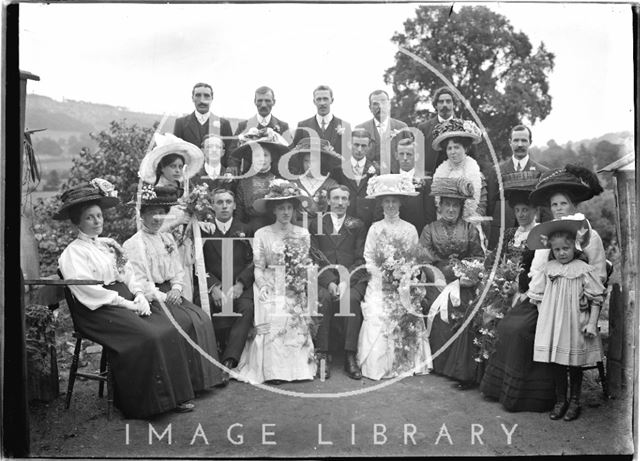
{"x":157,"y":268}
{"x":451,"y":237}
{"x":151,"y":375}
{"x":264,"y":147}
{"x":511,"y":376}
{"x":171,"y":163}
{"x":393,"y":339}
{"x":281,"y":348}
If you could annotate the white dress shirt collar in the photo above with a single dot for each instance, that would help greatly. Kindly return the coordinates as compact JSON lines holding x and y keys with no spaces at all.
{"x":382,"y":125}
{"x":411,"y":173}
{"x":213,"y":172}
{"x":224,"y":226}
{"x":337,"y":222}
{"x":327,"y":119}
{"x":440,"y":119}
{"x":202,"y":118}
{"x":523,"y":162}
{"x":263,"y":120}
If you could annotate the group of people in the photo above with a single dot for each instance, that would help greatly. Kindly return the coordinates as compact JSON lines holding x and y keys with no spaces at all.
{"x":300,"y":232}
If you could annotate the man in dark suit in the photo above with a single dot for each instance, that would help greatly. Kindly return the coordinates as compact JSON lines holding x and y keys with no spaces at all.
{"x":324,"y":123}
{"x":385,"y":131}
{"x":197,"y":125}
{"x":240,"y":283}
{"x":361,"y":168}
{"x":265,"y":100}
{"x":341,"y":241}
{"x":520,"y":142}
{"x":421,"y":209}
{"x":444,"y":103}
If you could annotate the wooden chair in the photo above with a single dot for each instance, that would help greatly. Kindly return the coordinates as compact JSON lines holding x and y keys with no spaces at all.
{"x":600,"y":365}
{"x":104,"y":376}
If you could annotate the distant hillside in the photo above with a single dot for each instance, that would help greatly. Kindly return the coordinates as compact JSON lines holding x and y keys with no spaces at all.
{"x":69,"y":123}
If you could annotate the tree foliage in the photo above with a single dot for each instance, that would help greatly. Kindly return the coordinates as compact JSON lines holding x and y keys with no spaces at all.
{"x":492,"y":65}
{"x":117,"y":159}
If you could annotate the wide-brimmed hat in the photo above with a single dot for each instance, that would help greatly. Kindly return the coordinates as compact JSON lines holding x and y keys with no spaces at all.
{"x":460,"y":188}
{"x":263,"y":138}
{"x":518,"y":185}
{"x":329,"y":159}
{"x":579,"y":183}
{"x":161,"y":196}
{"x":390,"y":184}
{"x":166,"y":144}
{"x":577,"y":224}
{"x":279,"y":189}
{"x":455,"y":127}
{"x":98,"y":190}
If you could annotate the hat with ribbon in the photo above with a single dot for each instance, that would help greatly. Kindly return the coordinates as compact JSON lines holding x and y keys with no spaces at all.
{"x":460,"y":188}
{"x":579,"y":183}
{"x":156,"y":196}
{"x":329,"y":159}
{"x":453,"y":128}
{"x":166,"y":144}
{"x":576,"y":224}
{"x":97,"y":190}
{"x":518,"y":185}
{"x":256,"y":139}
{"x":390,"y":184}
{"x":279,"y":189}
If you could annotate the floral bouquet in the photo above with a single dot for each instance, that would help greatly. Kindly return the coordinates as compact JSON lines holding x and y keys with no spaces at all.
{"x":497,"y":303}
{"x":118,"y":252}
{"x":266,"y":134}
{"x":395,"y":262}
{"x":294,"y":254}
{"x":198,"y":203}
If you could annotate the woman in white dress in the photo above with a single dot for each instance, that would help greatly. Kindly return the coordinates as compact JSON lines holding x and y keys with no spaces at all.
{"x":171,"y":163}
{"x":281,"y":346}
{"x":393,"y":339}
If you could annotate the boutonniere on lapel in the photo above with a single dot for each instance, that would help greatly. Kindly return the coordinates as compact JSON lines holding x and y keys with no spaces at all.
{"x":238,"y":234}
{"x":419,"y":183}
{"x":532,"y":168}
{"x":352,"y":223}
{"x":216,"y":123}
{"x":373,"y":169}
{"x":394,"y":133}
{"x":119,"y":253}
{"x":340,"y":130}
{"x":276,"y":128}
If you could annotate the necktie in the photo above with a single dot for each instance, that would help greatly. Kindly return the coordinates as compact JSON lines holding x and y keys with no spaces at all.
{"x":519,"y":167}
{"x":358,"y":170}
{"x":323,"y":125}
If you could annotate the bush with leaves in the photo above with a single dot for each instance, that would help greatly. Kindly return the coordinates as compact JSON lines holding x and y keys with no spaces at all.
{"x":120,"y":150}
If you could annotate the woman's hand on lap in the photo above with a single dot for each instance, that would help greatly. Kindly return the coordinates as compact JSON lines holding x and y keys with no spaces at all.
{"x":174,"y":297}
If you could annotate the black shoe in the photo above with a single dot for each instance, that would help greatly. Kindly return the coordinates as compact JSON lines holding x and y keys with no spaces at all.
{"x":275,"y":382}
{"x":559,"y":410}
{"x":184,"y":407}
{"x":351,"y":366}
{"x":319,"y":357}
{"x":573,"y":411}
{"x":229,"y":363}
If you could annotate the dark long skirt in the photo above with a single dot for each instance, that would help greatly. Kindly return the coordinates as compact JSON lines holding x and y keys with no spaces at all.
{"x":147,"y":356}
{"x":456,"y":361}
{"x":511,"y":376}
{"x":197,"y":324}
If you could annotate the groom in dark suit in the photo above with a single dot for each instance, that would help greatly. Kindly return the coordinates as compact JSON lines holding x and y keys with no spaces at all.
{"x":324,"y":123}
{"x":197,"y":125}
{"x":444,"y":103}
{"x":265,"y":100}
{"x":341,"y":241}
{"x":241,"y":280}
{"x":520,"y":142}
{"x":385,"y":131}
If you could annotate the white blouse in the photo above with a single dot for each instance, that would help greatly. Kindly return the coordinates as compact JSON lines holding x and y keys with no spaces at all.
{"x":468,"y":169}
{"x":155,"y":259}
{"x":89,"y":258}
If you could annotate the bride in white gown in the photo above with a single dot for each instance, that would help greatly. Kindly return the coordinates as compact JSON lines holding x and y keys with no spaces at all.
{"x":393,"y":339}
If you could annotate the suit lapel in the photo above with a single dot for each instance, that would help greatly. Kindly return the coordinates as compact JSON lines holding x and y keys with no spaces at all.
{"x":193,"y":126}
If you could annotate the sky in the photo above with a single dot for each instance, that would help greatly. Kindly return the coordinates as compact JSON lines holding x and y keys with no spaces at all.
{"x":147,"y":57}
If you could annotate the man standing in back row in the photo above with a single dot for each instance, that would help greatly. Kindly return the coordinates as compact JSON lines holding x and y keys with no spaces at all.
{"x":444,"y":103}
{"x":264,"y":100}
{"x":324,"y":123}
{"x":197,"y":125}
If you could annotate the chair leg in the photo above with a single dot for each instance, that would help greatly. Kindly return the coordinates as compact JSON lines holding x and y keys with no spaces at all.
{"x":73,"y":370}
{"x":109,"y":387}
{"x":103,"y":368}
{"x":603,"y":380}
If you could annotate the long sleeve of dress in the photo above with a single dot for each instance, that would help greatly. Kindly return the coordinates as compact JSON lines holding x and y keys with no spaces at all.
{"x":85,"y":261}
{"x":259,"y":259}
{"x":596,"y":255}
{"x":593,"y":287}
{"x":537,"y":285}
{"x":370,"y":246}
{"x":426,"y":241}
{"x":136,"y":254}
